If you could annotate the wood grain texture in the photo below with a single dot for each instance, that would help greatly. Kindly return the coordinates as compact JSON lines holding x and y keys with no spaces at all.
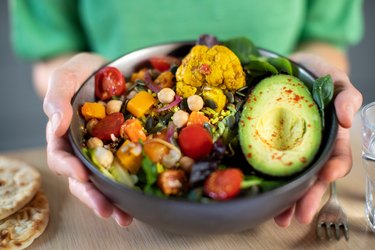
{"x":74,"y":226}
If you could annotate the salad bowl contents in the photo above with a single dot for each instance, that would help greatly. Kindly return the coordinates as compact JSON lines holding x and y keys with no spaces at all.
{"x":205,"y":137}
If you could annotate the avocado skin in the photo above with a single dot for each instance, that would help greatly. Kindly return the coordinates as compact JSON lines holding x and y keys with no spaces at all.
{"x":280,"y":128}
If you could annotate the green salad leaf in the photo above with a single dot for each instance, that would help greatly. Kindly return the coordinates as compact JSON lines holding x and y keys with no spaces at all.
{"x":150,"y":171}
{"x":243,"y":47}
{"x":322,"y":93}
{"x":283,"y":65}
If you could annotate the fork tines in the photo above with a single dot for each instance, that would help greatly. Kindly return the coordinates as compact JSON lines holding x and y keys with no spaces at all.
{"x":324,"y":229}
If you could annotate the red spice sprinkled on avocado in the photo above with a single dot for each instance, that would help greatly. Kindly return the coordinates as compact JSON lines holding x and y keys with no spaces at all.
{"x":249,"y":155}
{"x":303,"y":159}
{"x":297,"y":98}
{"x":288,"y":91}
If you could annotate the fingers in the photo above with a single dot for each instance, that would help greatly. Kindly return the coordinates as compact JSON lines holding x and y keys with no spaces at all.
{"x":90,"y":196}
{"x":63,"y":83}
{"x":348,"y":100}
{"x":59,"y":158}
{"x":285,"y":218}
{"x":308,"y":205}
{"x":96,"y":201}
{"x":340,"y":162}
{"x":122,"y":218}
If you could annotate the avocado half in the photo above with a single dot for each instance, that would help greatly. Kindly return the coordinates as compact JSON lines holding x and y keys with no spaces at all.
{"x":280,"y":128}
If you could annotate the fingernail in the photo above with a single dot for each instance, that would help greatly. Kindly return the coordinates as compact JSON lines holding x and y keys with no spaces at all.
{"x":121,"y":223}
{"x":99,"y":215}
{"x":55,"y":121}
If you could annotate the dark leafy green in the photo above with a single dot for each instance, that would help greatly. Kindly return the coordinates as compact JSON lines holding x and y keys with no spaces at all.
{"x":323,"y":93}
{"x":243,"y":48}
{"x":261,"y":66}
{"x":283,"y":65}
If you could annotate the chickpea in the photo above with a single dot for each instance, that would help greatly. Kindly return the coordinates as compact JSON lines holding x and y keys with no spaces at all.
{"x":90,"y":125}
{"x":186,"y":163}
{"x":94,"y":142}
{"x":166,"y":95}
{"x":103,"y":156}
{"x":113,"y":106}
{"x":195,"y":102}
{"x":180,"y":118}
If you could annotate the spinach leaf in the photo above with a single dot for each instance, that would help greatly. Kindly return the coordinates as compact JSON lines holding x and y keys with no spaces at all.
{"x":243,"y":48}
{"x":323,"y":93}
{"x":283,"y":65}
{"x":262,"y":66}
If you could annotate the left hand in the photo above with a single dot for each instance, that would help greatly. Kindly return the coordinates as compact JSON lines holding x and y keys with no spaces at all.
{"x":347,"y":102}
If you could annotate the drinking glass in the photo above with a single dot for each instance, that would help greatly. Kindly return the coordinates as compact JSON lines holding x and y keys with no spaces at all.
{"x":368,"y":159}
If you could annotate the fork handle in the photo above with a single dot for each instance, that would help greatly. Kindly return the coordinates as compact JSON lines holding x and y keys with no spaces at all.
{"x":333,"y":193}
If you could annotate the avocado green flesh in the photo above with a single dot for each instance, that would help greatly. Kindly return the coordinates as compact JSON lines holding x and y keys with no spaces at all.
{"x":280,"y":127}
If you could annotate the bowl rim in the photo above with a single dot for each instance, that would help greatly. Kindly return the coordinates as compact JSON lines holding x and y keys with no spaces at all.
{"x":303,"y":176}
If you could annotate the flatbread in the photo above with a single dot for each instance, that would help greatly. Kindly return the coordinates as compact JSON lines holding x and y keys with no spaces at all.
{"x":19,"y":182}
{"x":20,"y":229}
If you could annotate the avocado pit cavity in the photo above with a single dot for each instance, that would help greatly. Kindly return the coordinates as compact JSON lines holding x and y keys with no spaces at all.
{"x":281,"y":129}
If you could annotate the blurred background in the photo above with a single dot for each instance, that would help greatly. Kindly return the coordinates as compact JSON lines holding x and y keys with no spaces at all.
{"x":22,"y":121}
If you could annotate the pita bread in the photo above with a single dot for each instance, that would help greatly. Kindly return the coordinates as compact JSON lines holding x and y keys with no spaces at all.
{"x":19,"y":183}
{"x":20,"y":229}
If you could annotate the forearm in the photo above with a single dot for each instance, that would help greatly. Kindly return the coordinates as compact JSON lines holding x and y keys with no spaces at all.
{"x":42,"y":70}
{"x":329,"y":53}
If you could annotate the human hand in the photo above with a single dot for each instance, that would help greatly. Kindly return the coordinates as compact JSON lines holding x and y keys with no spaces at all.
{"x":347,"y":101}
{"x":63,"y":83}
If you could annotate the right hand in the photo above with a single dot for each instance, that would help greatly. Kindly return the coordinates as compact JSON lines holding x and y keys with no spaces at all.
{"x":62,"y":85}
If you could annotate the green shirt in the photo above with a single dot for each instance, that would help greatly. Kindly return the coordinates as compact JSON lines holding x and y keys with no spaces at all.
{"x":46,"y":28}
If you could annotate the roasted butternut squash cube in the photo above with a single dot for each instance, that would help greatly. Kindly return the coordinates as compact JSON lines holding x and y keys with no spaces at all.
{"x":130,"y":156}
{"x":92,"y":110}
{"x":140,"y":104}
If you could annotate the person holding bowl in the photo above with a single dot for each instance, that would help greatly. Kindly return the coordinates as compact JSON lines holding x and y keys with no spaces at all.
{"x":69,"y":40}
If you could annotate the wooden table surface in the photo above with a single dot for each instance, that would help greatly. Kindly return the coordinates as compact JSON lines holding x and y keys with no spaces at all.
{"x":73,"y":226}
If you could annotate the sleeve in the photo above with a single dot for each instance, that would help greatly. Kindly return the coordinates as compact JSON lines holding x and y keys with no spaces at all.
{"x":45,"y":28}
{"x":339,"y":22}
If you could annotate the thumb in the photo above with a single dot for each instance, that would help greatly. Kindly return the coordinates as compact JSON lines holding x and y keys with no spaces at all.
{"x":347,"y":102}
{"x":62,"y":85}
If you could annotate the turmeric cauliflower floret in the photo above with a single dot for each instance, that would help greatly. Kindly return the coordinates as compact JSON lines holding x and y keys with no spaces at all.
{"x":185,"y":90}
{"x":216,"y":67}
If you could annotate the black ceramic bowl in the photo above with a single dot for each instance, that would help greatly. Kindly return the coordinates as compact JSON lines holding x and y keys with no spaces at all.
{"x":187,"y":217}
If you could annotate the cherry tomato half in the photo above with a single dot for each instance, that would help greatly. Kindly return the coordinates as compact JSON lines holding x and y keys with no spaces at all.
{"x":111,"y":124}
{"x":223,"y":184}
{"x":109,"y":82}
{"x":163,"y":63}
{"x":195,"y":141}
